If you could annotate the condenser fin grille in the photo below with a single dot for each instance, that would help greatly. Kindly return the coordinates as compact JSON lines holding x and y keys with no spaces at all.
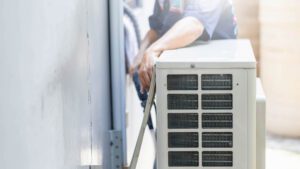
{"x":183,"y":121}
{"x":216,"y":82}
{"x":183,"y":139}
{"x":217,"y":140}
{"x":182,"y":101}
{"x":182,"y":82}
{"x":183,"y":158}
{"x":216,"y":120}
{"x":216,"y":101}
{"x":217,"y":158}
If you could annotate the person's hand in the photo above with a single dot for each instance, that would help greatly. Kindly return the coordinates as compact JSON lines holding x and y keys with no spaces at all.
{"x":137,"y":61}
{"x":146,"y":68}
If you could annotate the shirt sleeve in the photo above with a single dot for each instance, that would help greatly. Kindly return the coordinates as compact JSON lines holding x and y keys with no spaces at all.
{"x":208,"y":12}
{"x":155,"y":20}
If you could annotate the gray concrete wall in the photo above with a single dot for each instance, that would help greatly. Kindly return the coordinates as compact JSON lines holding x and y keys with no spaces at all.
{"x":54,"y":83}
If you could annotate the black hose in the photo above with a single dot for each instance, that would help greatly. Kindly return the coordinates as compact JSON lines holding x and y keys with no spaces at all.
{"x":128,"y":12}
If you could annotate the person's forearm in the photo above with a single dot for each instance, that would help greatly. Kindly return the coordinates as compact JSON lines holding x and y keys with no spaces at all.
{"x":183,"y":33}
{"x":149,"y":39}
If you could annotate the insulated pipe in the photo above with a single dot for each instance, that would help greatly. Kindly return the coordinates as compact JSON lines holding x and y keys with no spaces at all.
{"x":129,"y":13}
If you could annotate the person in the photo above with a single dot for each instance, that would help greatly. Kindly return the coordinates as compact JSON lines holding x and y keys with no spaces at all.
{"x":178,"y":23}
{"x":175,"y":24}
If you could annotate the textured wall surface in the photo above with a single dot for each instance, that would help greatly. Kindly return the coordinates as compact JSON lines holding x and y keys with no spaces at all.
{"x":54,"y":83}
{"x":280,"y":39}
{"x":247,"y":13}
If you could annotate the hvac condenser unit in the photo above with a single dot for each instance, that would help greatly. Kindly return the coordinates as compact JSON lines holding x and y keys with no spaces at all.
{"x":206,"y":106}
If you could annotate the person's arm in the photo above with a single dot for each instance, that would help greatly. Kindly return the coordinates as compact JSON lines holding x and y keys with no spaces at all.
{"x":148,"y":40}
{"x":183,"y":33}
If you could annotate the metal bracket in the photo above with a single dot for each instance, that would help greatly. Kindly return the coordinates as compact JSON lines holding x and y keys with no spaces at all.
{"x":91,"y":167}
{"x":116,"y":154}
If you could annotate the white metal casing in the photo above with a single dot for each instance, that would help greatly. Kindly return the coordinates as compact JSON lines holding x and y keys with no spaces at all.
{"x":219,"y":54}
{"x":260,"y":126}
{"x":216,"y":57}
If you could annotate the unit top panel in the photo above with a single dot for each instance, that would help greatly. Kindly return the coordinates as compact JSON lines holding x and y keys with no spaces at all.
{"x":223,"y":54}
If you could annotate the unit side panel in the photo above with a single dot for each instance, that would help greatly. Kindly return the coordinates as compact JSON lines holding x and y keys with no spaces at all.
{"x":224,"y":119}
{"x":161,"y":101}
{"x":251,"y":102}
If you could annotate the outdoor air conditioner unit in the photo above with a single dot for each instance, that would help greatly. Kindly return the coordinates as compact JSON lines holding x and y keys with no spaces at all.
{"x":206,"y":106}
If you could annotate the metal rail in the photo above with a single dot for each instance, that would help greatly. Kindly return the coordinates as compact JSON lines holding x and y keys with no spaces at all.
{"x":149,"y":104}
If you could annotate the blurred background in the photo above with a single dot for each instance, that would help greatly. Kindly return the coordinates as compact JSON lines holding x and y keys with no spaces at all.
{"x":273,"y":26}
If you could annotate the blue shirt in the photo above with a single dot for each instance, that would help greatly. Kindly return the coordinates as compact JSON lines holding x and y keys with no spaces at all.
{"x":216,"y":16}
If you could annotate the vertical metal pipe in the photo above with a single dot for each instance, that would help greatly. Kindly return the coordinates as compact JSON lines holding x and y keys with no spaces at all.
{"x":117,"y":59}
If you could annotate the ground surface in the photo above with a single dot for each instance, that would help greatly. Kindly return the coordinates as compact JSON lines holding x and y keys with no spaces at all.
{"x":282,"y":153}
